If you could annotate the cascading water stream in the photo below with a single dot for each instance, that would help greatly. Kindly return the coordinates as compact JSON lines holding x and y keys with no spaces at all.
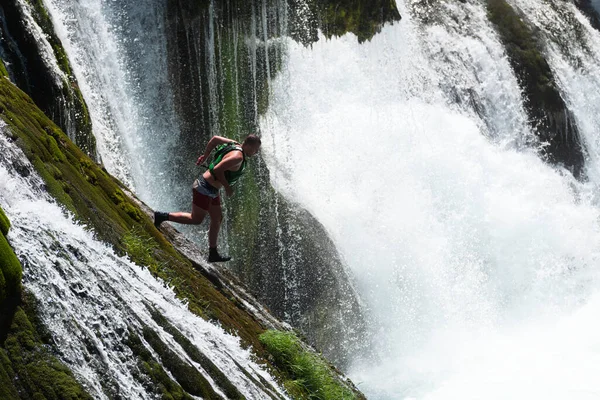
{"x":478,"y":262}
{"x":94,"y":301}
{"x":117,"y":51}
{"x":572,"y":48}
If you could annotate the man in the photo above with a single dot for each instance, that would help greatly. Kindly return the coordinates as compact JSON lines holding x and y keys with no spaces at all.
{"x":225,"y":170}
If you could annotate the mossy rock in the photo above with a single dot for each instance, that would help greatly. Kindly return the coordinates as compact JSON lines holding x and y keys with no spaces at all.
{"x":102,"y":204}
{"x":28,"y":369}
{"x":309,"y":376}
{"x":364,"y":18}
{"x":4,"y":222}
{"x":10,"y":271}
{"x":34,"y":73}
{"x":162,"y":384}
{"x":3,"y":71}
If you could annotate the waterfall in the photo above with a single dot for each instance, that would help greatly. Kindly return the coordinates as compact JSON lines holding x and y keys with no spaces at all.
{"x":477,"y":261}
{"x":572,"y":47}
{"x":95,"y":303}
{"x":117,"y":51}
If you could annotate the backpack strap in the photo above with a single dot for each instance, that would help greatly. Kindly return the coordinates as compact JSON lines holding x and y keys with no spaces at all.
{"x":222,"y":150}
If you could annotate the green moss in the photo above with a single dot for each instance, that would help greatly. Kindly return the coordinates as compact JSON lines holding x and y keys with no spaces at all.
{"x":45,"y":22}
{"x":4,"y":222}
{"x":216,"y":374}
{"x":140,"y":248}
{"x":3,"y":71}
{"x":161,"y":384}
{"x":29,"y":369}
{"x":245,"y":224}
{"x":309,"y":376}
{"x":360,"y":17}
{"x":185,"y":374}
{"x":10,"y":271}
{"x":53,"y":147}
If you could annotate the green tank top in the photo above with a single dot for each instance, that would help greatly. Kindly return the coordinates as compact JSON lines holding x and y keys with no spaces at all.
{"x":231,"y":176}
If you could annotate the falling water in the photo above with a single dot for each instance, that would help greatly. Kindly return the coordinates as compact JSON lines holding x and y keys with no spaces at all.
{"x":124,"y":81}
{"x":477,"y":261}
{"x":572,"y":48}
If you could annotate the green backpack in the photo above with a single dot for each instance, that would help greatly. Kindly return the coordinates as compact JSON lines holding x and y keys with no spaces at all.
{"x":221,"y":150}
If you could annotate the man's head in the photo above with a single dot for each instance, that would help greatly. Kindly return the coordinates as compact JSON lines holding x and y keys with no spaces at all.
{"x":251,"y":145}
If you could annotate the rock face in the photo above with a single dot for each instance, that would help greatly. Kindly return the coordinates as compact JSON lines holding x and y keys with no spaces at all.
{"x":364,"y":18}
{"x":552,"y":121}
{"x":37,"y":63}
{"x":222,"y":56}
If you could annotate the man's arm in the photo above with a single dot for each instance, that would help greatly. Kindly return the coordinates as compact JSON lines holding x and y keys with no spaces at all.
{"x":210,"y":146}
{"x":230,"y":162}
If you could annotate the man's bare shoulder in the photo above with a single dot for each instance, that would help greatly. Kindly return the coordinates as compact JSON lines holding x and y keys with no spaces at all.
{"x":234,"y":155}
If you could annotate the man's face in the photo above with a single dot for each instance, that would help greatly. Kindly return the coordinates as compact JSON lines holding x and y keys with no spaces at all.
{"x":252,"y":150}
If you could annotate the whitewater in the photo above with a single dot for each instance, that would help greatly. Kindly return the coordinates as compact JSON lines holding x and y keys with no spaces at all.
{"x":477,"y":261}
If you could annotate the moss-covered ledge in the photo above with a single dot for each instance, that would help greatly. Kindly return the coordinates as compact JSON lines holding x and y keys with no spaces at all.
{"x":98,"y":200}
{"x":364,"y":18}
{"x":3,"y":71}
{"x":10,"y":273}
{"x":552,"y":121}
{"x":102,"y":203}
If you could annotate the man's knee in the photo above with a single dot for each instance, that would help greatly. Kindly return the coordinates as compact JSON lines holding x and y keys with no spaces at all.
{"x":198,"y":216}
{"x":197,"y":220}
{"x":216,"y":217}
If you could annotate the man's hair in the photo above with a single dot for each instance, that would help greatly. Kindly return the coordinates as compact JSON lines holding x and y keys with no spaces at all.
{"x":252,"y":140}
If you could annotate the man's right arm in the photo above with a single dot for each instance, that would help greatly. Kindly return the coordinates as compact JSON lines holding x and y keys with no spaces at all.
{"x":210,"y":146}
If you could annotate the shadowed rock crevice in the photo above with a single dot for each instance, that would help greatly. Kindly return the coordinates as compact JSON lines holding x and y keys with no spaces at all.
{"x":28,"y":63}
{"x":553,"y":122}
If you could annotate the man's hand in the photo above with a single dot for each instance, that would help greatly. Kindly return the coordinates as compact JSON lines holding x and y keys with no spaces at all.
{"x":229,"y":191}
{"x":201,"y":159}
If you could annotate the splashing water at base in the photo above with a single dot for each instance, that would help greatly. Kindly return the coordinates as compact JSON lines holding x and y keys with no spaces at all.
{"x":478,"y":263}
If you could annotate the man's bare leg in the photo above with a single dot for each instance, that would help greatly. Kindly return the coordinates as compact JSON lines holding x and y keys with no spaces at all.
{"x":216,"y":216}
{"x":194,"y":218}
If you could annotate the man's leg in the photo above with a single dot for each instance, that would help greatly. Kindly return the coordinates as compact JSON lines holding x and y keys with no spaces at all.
{"x":200,"y":206}
{"x":216,"y":216}
{"x":194,"y":218}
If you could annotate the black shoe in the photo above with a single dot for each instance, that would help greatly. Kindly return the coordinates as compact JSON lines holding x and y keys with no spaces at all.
{"x":160,"y":217}
{"x":213,"y":256}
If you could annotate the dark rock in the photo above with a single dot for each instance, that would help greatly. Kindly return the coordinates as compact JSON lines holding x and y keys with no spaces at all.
{"x":552,"y":121}
{"x":27,"y":68}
